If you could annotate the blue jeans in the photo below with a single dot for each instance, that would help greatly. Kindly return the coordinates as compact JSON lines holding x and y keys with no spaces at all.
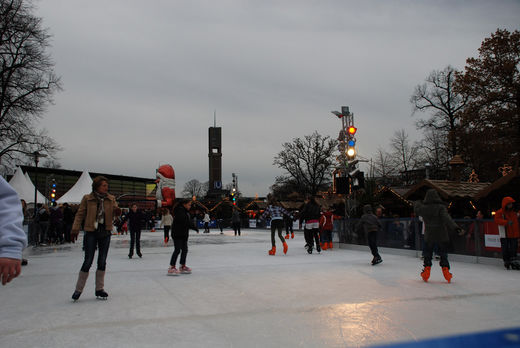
{"x":92,"y":239}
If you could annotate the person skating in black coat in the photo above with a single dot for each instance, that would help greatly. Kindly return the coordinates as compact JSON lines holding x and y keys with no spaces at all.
{"x":371,"y":226}
{"x":181,"y":225}
{"x":135,"y":218}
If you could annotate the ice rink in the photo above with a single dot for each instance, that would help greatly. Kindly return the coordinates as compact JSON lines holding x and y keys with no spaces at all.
{"x":238,"y":296}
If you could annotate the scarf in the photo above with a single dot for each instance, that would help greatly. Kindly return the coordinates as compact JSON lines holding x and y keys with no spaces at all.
{"x":100,"y":215}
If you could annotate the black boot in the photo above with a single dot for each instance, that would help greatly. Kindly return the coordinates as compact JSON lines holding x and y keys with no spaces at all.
{"x":101,"y":294}
{"x":139,"y":254}
{"x":376,"y":260}
{"x":76,"y":295}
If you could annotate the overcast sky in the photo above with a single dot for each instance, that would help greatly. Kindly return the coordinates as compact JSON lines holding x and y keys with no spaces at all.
{"x":142,"y":79}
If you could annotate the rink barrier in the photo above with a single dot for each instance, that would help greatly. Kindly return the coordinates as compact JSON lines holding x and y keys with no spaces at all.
{"x":479,"y":242}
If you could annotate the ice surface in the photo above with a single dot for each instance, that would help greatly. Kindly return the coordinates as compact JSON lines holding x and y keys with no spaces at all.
{"x":238,"y":296}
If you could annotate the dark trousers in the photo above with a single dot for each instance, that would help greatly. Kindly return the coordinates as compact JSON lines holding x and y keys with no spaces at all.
{"x":442,"y":249}
{"x":66,"y":231}
{"x":135,"y":238}
{"x":372,"y":243}
{"x":326,"y":236}
{"x":55,"y":232}
{"x":181,"y":247}
{"x":166,"y":231}
{"x":288,"y":227}
{"x":509,"y":248}
{"x":43,"y":227}
{"x":312,"y":235}
{"x":236,"y":228}
{"x":276,"y":225}
{"x":101,"y":240}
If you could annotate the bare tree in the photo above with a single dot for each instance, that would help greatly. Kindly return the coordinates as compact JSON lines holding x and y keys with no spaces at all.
{"x":27,"y":82}
{"x":51,"y":163}
{"x":437,"y":95}
{"x":404,"y":155}
{"x":308,"y":162}
{"x":434,"y":150}
{"x":383,"y":164}
{"x":194,"y":188}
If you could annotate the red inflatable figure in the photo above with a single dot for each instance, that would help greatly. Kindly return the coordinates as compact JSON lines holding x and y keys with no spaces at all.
{"x":165,"y":193}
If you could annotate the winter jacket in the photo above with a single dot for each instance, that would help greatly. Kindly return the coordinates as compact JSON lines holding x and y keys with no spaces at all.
{"x":12,"y":236}
{"x":310,"y":212}
{"x":166,"y":220}
{"x":508,"y":219}
{"x":182,"y":223}
{"x":87,"y":212}
{"x":68,"y":215}
{"x":56,"y":216}
{"x":135,"y":220}
{"x":275,"y":212}
{"x":369,"y":222}
{"x":436,"y":218}
{"x":235,"y":217}
{"x":326,"y":221}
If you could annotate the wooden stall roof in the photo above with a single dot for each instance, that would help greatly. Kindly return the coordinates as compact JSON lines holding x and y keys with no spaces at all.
{"x":447,"y":189}
{"x":396,"y":192}
{"x":514,"y":176}
{"x":256,"y":205}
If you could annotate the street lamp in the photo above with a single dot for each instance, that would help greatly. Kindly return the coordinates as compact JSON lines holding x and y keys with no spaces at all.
{"x":36,"y":156}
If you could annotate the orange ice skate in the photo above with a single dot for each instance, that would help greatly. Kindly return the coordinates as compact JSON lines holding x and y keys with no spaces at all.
{"x":447,"y":274}
{"x":425,"y":274}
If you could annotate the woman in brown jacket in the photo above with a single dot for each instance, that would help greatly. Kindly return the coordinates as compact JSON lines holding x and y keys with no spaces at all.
{"x":96,"y":212}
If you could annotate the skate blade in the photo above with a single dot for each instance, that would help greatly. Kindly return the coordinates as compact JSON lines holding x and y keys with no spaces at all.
{"x":101,"y":298}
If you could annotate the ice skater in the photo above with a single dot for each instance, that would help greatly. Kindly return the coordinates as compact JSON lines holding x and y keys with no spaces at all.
{"x":236,"y":221}
{"x":437,"y":223}
{"x":276,"y":212}
{"x":96,"y":211}
{"x":166,"y":223}
{"x":507,"y":220}
{"x":310,"y":218}
{"x":371,"y":226}
{"x":326,"y":225}
{"x":182,"y":223}
{"x":135,"y":219}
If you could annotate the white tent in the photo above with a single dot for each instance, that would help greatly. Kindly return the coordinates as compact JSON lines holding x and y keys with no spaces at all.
{"x":25,"y":188}
{"x":82,"y":187}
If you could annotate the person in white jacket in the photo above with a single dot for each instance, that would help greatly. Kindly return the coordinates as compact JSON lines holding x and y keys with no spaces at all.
{"x":166,"y":222}
{"x":12,"y":236}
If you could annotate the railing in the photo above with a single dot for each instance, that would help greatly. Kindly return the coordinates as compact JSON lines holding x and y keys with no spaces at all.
{"x":479,"y":237}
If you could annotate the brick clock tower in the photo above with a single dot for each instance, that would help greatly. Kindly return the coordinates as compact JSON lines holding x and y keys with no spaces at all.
{"x":215,"y":162}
